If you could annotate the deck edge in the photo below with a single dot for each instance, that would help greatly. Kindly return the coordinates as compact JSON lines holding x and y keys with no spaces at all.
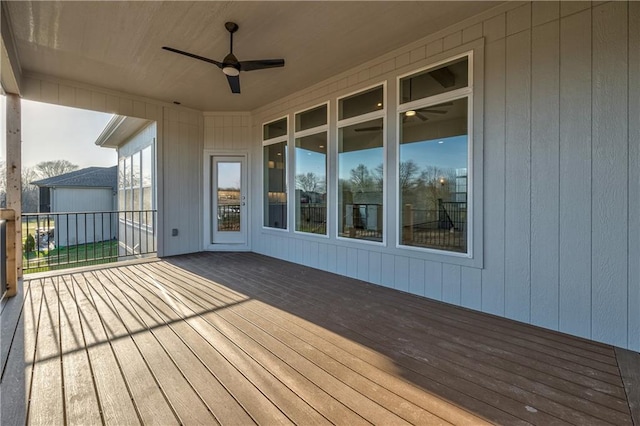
{"x":629,"y":365}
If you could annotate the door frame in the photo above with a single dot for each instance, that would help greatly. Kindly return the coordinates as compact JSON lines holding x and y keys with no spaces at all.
{"x":207,"y":245}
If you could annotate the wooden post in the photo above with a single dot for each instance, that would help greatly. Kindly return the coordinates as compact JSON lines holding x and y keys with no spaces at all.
{"x":14,"y":175}
{"x":10,"y":255}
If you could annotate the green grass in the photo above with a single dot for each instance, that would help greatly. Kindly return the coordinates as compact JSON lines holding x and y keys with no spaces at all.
{"x":70,"y":257}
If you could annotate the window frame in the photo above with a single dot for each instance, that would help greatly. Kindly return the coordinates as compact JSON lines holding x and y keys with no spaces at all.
{"x":382,"y":113}
{"x":301,"y":134}
{"x":464,"y":92}
{"x":272,"y":141}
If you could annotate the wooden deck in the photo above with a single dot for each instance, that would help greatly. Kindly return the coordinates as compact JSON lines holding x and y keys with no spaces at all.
{"x":242,"y":339}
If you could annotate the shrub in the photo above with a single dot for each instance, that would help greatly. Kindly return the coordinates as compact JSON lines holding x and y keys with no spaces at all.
{"x":29,"y":244}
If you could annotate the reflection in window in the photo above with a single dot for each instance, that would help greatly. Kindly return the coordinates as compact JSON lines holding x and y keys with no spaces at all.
{"x":434,"y":81}
{"x":275,"y":185}
{"x":311,"y":183}
{"x":361,"y":103}
{"x":360,"y":180}
{"x":315,"y":117}
{"x":275,"y":129}
{"x":433,"y":176}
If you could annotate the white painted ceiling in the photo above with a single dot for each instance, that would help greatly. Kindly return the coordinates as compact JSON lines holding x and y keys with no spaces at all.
{"x":117,"y":44}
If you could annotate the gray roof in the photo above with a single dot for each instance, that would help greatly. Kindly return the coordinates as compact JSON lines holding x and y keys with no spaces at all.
{"x":91,"y":177}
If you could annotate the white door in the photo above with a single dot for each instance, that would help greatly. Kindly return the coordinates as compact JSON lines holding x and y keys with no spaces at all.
{"x":228,"y":200}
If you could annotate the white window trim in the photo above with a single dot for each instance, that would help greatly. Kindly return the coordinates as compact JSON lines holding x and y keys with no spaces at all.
{"x":382,"y":113}
{"x":301,"y":134}
{"x":272,"y":141}
{"x":430,"y":101}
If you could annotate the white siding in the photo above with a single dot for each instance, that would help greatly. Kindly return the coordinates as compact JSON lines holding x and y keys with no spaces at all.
{"x":561,"y":187}
{"x":180,"y":155}
{"x":84,"y":227}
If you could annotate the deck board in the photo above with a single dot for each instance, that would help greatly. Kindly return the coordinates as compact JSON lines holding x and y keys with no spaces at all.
{"x":116,"y":402}
{"x":239,"y":338}
{"x":81,"y":399}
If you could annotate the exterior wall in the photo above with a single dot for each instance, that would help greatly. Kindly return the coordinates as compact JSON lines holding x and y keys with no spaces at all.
{"x":561,"y":172}
{"x":84,"y":227}
{"x":178,"y":151}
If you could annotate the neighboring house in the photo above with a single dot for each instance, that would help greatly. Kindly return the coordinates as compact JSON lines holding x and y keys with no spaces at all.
{"x":521,"y":117}
{"x":80,"y":203}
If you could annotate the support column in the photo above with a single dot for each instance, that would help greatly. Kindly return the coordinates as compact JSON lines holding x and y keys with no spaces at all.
{"x":14,"y":172}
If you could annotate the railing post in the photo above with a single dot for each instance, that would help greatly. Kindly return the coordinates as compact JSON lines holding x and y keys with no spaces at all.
{"x":11,"y":254}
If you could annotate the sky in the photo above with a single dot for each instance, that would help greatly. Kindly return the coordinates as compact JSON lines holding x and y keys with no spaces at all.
{"x":51,"y":132}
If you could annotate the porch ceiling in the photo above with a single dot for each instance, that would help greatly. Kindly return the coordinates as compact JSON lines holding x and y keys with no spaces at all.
{"x":117,"y":45}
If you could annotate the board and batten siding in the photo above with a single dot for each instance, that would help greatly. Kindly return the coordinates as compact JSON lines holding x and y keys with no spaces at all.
{"x":178,"y":151}
{"x":561,"y":172}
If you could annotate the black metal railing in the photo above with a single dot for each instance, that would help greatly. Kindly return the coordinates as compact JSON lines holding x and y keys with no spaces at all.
{"x":362,"y":221}
{"x":228,"y":217}
{"x":440,"y":228}
{"x":62,"y":240}
{"x":312,"y":218}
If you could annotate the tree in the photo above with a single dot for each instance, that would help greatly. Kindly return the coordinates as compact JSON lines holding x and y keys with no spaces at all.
{"x":29,"y":191}
{"x":361,"y":180}
{"x":408,"y":175}
{"x":47,"y":169}
{"x":309,"y":182}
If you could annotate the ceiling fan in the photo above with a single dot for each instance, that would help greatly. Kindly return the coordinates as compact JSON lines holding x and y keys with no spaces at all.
{"x":230,"y":65}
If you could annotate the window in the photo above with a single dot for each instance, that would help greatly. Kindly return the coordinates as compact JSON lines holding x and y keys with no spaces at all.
{"x":311,"y":170}
{"x":361,"y":165}
{"x":434,"y":152}
{"x":135,"y":186}
{"x":275,"y":174}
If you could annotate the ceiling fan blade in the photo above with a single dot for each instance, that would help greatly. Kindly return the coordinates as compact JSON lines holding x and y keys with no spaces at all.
{"x":191,"y":55}
{"x":421,"y":116}
{"x":234,"y":83}
{"x":434,"y":111}
{"x":261,"y":64}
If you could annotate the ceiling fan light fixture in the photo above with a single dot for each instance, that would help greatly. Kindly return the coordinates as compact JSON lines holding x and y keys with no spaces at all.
{"x":231,"y":71}
{"x":410,"y":113}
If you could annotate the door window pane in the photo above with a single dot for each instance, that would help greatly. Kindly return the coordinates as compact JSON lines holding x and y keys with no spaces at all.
{"x":360,"y":180}
{"x":275,"y":185}
{"x":229,"y":196}
{"x":311,"y":183}
{"x":433,"y":176}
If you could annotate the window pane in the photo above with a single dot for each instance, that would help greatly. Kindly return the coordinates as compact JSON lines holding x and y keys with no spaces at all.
{"x":275,"y":129}
{"x":311,"y":184}
{"x":121,"y":173}
{"x":147,"y":167}
{"x":361,"y":103}
{"x":360,"y":180}
{"x":127,"y":172}
{"x":433,"y":177}
{"x":434,"y":81}
{"x":313,"y":118}
{"x":135,"y":171}
{"x":275,"y":185}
